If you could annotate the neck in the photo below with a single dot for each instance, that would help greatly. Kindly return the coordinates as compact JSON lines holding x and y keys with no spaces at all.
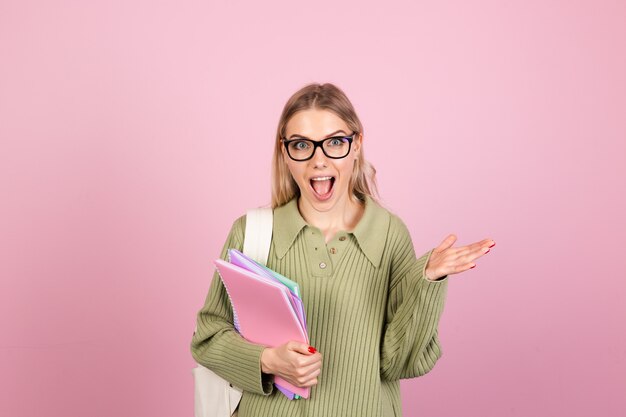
{"x":344,"y":215}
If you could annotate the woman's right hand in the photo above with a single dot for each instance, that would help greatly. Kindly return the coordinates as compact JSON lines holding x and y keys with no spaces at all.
{"x":293,"y":362}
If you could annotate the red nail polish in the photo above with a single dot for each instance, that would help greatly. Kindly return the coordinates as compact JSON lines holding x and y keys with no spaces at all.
{"x":494,"y":244}
{"x":312,"y":349}
{"x":473,"y":267}
{"x":487,"y":251}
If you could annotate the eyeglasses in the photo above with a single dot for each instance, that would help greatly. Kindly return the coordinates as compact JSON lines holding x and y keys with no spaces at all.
{"x":335,"y":147}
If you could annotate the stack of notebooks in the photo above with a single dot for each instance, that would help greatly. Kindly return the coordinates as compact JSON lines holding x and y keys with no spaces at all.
{"x":267,"y":308}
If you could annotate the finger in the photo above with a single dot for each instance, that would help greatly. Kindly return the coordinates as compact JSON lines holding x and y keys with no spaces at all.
{"x":308,"y":372}
{"x":309,"y":383}
{"x":310,"y":361}
{"x":310,"y":379}
{"x":470,"y":253}
{"x":468,"y":261}
{"x":488,"y":243}
{"x":304,"y":374}
{"x":483,"y":244}
{"x":480,"y":251}
{"x":462,"y":268}
{"x":462,"y":263}
{"x":446,"y":243}
{"x":300,"y":347}
{"x":456,"y":253}
{"x":469,"y":257}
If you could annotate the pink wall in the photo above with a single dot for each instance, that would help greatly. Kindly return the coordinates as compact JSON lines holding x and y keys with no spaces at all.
{"x":486,"y":119}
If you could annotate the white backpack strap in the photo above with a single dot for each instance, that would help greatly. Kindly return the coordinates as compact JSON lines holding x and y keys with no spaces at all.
{"x":258,"y":235}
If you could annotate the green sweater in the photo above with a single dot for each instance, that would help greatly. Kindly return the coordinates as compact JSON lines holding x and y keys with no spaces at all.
{"x":371,"y":313}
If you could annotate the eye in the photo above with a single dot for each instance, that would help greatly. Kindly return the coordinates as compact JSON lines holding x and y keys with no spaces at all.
{"x":300,"y":145}
{"x":337,"y":141}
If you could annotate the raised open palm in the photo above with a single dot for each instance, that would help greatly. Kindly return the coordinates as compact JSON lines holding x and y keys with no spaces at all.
{"x":446,"y":260}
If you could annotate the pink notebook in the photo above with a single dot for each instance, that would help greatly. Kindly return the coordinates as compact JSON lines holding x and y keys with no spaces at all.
{"x":264,"y":312}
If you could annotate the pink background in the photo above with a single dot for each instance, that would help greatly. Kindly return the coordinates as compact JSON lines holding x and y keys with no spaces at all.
{"x":121,"y":122}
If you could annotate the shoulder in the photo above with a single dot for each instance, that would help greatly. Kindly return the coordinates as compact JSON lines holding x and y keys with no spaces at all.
{"x":398,"y":243}
{"x":237,"y":229}
{"x":397,"y":229}
{"x":380,"y":221}
{"x":239,"y":223}
{"x":388,"y":228}
{"x":397,"y":226}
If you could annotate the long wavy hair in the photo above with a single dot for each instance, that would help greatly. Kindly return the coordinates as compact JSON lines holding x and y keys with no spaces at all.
{"x":329,"y":97}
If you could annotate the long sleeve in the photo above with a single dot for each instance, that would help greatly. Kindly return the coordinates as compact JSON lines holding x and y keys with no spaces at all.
{"x":411,"y":345}
{"x":217,"y":345}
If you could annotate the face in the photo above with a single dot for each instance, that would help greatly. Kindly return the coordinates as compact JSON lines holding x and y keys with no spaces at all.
{"x":323,"y":181}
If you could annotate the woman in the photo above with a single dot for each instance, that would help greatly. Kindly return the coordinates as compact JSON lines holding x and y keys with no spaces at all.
{"x":372,"y":306}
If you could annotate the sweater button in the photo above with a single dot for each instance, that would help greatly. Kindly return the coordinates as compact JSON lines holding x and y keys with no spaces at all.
{"x":342,"y":238}
{"x":333,"y":251}
{"x":322,"y":265}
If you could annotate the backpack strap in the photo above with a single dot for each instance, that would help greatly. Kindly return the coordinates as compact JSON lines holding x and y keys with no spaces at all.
{"x":258,"y":234}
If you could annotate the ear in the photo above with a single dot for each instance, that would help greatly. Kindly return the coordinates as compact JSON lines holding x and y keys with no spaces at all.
{"x":357,"y":143}
{"x":283,"y":152}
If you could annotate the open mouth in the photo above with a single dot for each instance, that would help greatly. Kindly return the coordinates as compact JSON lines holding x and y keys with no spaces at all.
{"x":322,"y":186}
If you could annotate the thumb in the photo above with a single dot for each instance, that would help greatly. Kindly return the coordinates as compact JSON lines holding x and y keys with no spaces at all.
{"x":302,"y":348}
{"x":446,"y":243}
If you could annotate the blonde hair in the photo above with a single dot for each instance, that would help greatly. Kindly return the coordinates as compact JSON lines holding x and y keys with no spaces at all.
{"x":323,"y":97}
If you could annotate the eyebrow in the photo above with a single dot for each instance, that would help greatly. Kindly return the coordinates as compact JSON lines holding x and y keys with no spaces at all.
{"x":327,"y":136}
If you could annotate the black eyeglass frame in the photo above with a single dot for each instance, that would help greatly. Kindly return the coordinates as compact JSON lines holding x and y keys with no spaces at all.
{"x":318,"y":143}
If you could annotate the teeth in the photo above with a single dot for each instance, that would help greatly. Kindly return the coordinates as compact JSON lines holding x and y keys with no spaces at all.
{"x":321,"y":178}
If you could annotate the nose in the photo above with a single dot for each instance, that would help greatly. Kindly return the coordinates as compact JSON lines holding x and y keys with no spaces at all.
{"x":319,"y":158}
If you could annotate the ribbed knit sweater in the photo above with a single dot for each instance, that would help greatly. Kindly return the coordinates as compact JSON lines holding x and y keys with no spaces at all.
{"x":371,"y":313}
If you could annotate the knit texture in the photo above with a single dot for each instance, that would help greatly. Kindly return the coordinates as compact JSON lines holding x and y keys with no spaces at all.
{"x":371,"y":313}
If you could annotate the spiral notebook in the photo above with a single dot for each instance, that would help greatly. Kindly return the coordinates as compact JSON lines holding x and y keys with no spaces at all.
{"x":265,"y":313}
{"x":238,"y":258}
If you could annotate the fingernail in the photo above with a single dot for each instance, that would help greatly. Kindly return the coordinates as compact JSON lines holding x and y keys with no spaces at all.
{"x":494,"y":244}
{"x":474,"y":266}
{"x":312,"y":349}
{"x":486,"y":250}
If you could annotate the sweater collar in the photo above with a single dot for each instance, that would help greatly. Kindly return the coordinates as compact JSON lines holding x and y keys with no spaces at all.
{"x":370,"y":232}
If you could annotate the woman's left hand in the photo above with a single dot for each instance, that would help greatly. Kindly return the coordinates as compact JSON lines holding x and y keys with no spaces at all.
{"x":446,"y":260}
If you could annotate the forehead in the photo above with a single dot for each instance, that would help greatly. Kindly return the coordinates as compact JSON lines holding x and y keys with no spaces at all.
{"x":314,"y":122}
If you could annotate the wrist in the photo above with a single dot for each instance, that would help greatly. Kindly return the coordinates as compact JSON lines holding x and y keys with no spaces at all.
{"x":428,"y":277}
{"x":266,"y":361}
{"x":437,"y":279}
